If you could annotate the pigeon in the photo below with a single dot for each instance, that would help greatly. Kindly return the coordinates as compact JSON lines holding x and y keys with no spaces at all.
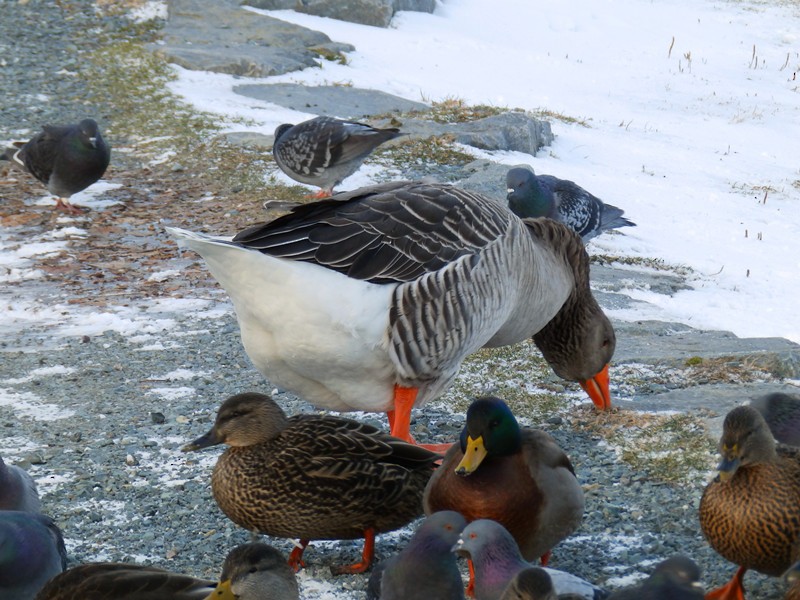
{"x":531,"y":195}
{"x":426,"y":568}
{"x":677,"y":578}
{"x":324,"y":151}
{"x":252,"y":571}
{"x":782,"y":414}
{"x":67,"y":159}
{"x":496,"y":559}
{"x":31,"y":553}
{"x":17,"y":489}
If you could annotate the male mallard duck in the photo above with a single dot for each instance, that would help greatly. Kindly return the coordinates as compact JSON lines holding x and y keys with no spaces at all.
{"x":371,"y":300}
{"x":495,"y":558}
{"x":67,"y":159}
{"x":313,"y":477}
{"x":426,"y":568}
{"x":750,"y":513}
{"x":520,"y":478}
{"x":676,"y":578}
{"x":31,"y":552}
{"x":531,"y":195}
{"x":251,"y":572}
{"x":324,"y":151}
{"x":17,"y":489}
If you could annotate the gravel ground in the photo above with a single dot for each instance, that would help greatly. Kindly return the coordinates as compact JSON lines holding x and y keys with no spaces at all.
{"x":122,"y":329}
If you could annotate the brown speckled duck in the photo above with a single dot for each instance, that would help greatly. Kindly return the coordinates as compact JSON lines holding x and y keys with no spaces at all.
{"x":518,"y":477}
{"x":313,"y":477}
{"x":251,"y":572}
{"x":750,"y":513}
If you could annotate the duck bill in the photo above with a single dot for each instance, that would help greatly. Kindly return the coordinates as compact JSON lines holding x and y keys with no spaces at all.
{"x":597,"y":388}
{"x":223,"y":591}
{"x":727,"y":467}
{"x":473,"y":456}
{"x":204,"y":441}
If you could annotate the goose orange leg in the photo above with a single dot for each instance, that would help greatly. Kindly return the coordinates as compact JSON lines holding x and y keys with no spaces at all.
{"x":400,"y":418}
{"x":597,"y":388}
{"x":296,"y":557}
{"x":733,"y":590}
{"x":367,"y":556}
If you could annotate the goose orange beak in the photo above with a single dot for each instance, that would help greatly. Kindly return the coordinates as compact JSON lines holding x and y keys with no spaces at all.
{"x":597,"y":388}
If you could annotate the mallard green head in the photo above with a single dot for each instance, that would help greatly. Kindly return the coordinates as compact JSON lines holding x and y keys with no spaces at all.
{"x":491,"y":430}
{"x":746,"y":440}
{"x":243,"y":420}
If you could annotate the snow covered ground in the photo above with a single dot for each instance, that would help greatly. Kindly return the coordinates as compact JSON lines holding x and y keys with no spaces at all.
{"x":693,"y":114}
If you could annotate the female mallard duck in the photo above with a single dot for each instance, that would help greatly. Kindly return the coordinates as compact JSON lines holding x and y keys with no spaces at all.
{"x":750,"y":513}
{"x":518,"y":477}
{"x":313,"y":477}
{"x":251,"y":572}
{"x":372,"y":299}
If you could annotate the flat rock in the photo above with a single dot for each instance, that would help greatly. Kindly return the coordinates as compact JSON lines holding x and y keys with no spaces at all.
{"x":333,"y":100}
{"x":377,"y":13}
{"x":219,"y":36}
{"x":664,"y":343}
{"x":712,"y":401}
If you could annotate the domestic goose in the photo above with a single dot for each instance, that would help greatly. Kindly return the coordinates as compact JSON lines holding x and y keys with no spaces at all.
{"x":370,"y":300}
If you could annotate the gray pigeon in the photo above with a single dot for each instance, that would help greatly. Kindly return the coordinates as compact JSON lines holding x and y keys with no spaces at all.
{"x":17,"y":489}
{"x":426,"y":568}
{"x":677,"y":578}
{"x":67,"y":159}
{"x":251,"y":572}
{"x":496,"y":559}
{"x":782,"y":414}
{"x":31,"y":553}
{"x":531,"y":195}
{"x":324,"y":151}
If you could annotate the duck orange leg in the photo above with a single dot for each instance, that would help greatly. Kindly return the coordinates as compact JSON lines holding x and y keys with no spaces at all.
{"x":597,"y":388}
{"x":545,"y":558}
{"x":296,"y":557}
{"x":400,"y":418}
{"x":367,"y":556}
{"x":733,"y":590}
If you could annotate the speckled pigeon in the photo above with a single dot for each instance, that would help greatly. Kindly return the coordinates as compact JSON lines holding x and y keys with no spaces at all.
{"x":324,"y":151}
{"x":31,"y":553}
{"x":531,"y":195}
{"x":17,"y":489}
{"x":782,"y":414}
{"x":426,"y":568}
{"x":67,"y":159}
{"x":496,"y":560}
{"x":677,"y":578}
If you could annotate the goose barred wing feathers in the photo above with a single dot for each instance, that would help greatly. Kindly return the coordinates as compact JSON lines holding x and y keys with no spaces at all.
{"x":388,"y":233}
